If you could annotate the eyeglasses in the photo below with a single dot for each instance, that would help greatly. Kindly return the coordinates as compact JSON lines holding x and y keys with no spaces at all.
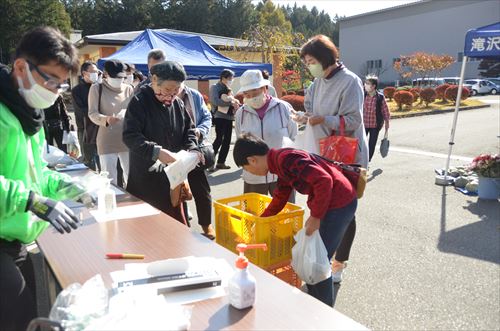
{"x":51,"y":83}
{"x":168,"y":94}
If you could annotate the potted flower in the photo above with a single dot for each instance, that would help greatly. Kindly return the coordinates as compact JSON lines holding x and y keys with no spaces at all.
{"x":487,"y":168}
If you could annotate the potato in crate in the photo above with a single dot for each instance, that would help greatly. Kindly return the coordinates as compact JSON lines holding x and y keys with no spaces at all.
{"x":237,"y":221}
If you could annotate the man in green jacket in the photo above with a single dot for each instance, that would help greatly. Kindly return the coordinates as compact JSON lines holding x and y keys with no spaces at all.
{"x":29,"y":191}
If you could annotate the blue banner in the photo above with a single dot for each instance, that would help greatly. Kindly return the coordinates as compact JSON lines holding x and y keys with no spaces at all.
{"x":483,"y":42}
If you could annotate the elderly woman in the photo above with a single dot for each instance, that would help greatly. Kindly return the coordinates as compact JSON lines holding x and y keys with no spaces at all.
{"x":157,"y":125}
{"x":335,"y":92}
{"x":266,"y":117}
{"x":107,"y":105}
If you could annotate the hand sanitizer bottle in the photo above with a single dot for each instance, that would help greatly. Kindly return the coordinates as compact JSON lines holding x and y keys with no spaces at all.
{"x":106,"y":198}
{"x":242,"y":284}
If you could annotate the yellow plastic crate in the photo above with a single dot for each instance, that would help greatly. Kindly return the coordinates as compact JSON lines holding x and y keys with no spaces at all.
{"x":236,"y":222}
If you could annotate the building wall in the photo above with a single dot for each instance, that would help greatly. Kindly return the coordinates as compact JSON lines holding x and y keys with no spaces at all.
{"x":437,"y":26}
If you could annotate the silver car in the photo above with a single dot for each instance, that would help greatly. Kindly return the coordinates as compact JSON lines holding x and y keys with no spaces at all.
{"x":482,"y":86}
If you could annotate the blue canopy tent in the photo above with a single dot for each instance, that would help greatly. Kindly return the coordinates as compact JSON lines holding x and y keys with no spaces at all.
{"x":199,"y":59}
{"x":483,"y":42}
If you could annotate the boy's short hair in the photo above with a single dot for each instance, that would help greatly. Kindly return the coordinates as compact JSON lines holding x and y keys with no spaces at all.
{"x":44,"y":44}
{"x":372,"y":79}
{"x":248,"y":145}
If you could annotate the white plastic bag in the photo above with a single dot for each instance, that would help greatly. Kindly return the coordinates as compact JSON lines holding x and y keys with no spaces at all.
{"x":70,"y":137}
{"x":310,"y":258}
{"x":71,"y":140}
{"x":310,"y":142}
{"x":305,"y":140}
{"x":76,"y":306}
{"x":178,"y":171}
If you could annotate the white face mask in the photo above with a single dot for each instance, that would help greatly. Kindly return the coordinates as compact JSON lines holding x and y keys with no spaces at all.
{"x":255,"y":102}
{"x":316,"y":70}
{"x":129,"y":79}
{"x":36,"y":96}
{"x":229,"y":82}
{"x":93,"y":76}
{"x":115,"y":82}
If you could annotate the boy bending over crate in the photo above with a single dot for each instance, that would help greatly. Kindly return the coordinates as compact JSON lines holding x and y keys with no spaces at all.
{"x":332,"y":199}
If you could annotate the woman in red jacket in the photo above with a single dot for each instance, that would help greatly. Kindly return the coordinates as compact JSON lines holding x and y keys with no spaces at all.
{"x":331,"y":197}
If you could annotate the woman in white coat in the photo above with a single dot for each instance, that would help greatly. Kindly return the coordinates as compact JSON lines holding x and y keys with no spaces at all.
{"x":266,"y":117}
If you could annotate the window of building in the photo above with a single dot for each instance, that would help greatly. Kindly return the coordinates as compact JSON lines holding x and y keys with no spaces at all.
{"x":374,"y":64}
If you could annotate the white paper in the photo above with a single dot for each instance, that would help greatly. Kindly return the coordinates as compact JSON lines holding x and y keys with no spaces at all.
{"x":125,"y":212}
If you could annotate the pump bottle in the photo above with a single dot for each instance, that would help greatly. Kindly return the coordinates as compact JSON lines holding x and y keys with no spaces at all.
{"x":242,"y":284}
{"x":106,"y":198}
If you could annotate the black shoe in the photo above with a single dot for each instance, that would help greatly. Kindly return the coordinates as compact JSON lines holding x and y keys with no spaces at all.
{"x":222,"y":166}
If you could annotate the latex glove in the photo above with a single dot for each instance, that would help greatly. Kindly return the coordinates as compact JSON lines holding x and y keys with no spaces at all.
{"x":158,"y":166}
{"x":55,"y":212}
{"x":312,"y":224}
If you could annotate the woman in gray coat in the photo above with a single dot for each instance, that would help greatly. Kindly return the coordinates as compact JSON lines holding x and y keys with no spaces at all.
{"x":335,"y":92}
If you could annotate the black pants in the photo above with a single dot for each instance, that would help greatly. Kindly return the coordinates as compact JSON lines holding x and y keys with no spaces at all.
{"x":17,"y":286}
{"x":55,"y":134}
{"x":344,"y":249}
{"x":223,"y":131}
{"x":200,"y":188}
{"x":372,"y":134}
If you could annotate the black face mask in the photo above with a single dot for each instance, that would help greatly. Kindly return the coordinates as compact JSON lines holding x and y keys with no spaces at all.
{"x":31,"y":119}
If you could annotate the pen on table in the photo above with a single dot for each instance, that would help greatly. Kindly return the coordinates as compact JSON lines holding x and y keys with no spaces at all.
{"x":124,"y":256}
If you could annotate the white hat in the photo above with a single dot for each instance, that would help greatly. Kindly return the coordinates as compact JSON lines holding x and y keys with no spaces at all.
{"x":252,"y":79}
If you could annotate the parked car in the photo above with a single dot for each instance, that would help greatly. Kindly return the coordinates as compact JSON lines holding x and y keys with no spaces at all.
{"x":495,"y":81}
{"x":426,"y":82}
{"x":482,"y":86}
{"x":456,"y":81}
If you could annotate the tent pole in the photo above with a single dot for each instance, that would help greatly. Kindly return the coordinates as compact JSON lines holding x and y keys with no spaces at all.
{"x":444,"y":180}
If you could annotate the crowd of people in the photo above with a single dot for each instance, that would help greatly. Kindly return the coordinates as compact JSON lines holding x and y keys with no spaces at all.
{"x":132,"y":126}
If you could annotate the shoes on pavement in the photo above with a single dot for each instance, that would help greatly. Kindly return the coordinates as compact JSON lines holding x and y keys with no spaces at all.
{"x":338,"y":270}
{"x":222,"y":166}
{"x":208,"y":231}
{"x":212,"y":169}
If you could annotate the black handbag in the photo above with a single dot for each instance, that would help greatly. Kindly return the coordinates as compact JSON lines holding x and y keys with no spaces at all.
{"x":91,"y":129}
{"x":207,"y":150}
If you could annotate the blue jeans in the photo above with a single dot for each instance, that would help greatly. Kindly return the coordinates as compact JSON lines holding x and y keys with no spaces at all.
{"x":331,"y":230}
